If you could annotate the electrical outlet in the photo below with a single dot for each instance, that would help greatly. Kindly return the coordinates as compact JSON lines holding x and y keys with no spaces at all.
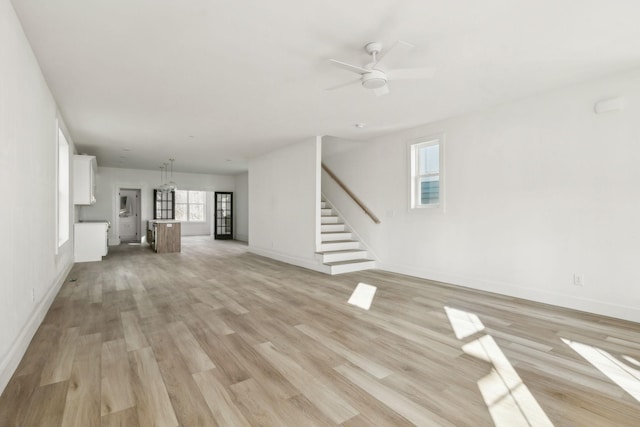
{"x":578,"y":279}
{"x":33,"y":295}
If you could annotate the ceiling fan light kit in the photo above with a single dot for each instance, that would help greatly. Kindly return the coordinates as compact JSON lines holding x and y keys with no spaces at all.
{"x":374,"y":79}
{"x":373,"y":76}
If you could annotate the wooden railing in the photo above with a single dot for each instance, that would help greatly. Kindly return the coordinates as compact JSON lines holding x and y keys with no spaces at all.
{"x":350,"y":193}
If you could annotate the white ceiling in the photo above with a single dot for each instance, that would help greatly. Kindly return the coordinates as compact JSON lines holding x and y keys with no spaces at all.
{"x":213,"y":83}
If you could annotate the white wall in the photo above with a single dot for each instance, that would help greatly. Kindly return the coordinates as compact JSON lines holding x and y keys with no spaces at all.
{"x":28,"y":258}
{"x":109,"y":180}
{"x":536,"y":191}
{"x":284,"y":200}
{"x":241,"y":207}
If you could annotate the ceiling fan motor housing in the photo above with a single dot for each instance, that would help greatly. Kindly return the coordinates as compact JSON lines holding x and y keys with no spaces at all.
{"x":373,"y":47}
{"x":374,"y":79}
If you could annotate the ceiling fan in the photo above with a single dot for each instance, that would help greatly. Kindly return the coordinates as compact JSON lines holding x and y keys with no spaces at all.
{"x":374,"y":74}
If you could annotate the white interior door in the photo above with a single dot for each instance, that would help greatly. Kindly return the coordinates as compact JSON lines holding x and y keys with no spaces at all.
{"x":129,"y":216}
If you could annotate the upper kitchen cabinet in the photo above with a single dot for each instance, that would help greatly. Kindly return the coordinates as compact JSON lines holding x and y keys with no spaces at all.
{"x":84,"y":179}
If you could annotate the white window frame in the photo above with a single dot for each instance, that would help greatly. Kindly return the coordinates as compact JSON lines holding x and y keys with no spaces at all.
{"x":415,"y":204}
{"x":204,"y":207}
{"x":63,"y":188}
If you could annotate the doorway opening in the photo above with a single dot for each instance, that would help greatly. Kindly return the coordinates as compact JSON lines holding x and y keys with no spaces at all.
{"x":129,"y":218}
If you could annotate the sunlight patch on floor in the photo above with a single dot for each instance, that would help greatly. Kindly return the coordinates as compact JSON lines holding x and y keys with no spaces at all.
{"x":362,"y":296}
{"x":631,"y":360}
{"x":627,"y":377}
{"x":464,"y":324}
{"x":508,"y":399}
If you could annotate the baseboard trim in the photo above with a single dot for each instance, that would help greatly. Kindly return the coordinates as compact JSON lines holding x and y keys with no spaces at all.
{"x":17,"y":350}
{"x":310,"y":264}
{"x":560,"y":300}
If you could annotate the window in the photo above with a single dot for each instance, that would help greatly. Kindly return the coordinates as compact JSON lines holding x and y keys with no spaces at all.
{"x":63,"y":189}
{"x":426,"y":174}
{"x":190,"y":205}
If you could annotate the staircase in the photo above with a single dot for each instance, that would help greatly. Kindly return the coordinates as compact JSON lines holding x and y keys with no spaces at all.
{"x":339,"y":250}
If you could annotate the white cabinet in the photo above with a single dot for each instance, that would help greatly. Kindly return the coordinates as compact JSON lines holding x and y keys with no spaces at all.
{"x":90,"y":241}
{"x":84,"y":179}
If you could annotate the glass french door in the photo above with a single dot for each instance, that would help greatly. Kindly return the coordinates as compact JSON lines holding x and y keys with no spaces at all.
{"x":223,"y":227}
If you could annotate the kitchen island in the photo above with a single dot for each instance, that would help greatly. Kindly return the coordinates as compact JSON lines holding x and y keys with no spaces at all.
{"x":163,"y":235}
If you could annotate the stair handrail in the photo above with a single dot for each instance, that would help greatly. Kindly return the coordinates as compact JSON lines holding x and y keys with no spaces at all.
{"x":350,"y":193}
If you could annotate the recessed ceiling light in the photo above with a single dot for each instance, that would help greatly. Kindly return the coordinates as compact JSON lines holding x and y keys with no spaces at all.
{"x":359,"y":125}
{"x":126,"y":149}
{"x":191,"y":136}
{"x":122,"y":157}
{"x":228,"y":160}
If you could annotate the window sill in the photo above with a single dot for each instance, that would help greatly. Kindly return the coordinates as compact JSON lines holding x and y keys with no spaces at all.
{"x":436,"y":207}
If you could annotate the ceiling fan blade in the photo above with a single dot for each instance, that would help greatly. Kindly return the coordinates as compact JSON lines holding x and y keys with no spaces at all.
{"x":411,"y":73}
{"x":381,"y":90}
{"x":394,"y":48}
{"x":349,"y":67}
{"x":341,"y":85}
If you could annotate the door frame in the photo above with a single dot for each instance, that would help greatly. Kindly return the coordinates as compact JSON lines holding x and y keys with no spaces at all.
{"x":138,"y":213}
{"x":215,"y":217}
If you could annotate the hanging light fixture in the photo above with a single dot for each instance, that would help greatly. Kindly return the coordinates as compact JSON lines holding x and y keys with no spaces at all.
{"x":163,"y":172}
{"x":171,"y":185}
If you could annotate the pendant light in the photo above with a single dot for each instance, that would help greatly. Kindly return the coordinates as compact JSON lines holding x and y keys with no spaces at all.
{"x":163,"y":171}
{"x":171,"y":185}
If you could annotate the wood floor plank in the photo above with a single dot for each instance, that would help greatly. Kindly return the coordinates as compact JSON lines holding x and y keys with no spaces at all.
{"x":82,"y":406}
{"x":407,"y":408}
{"x":20,"y":389}
{"x":219,"y":400}
{"x":330,"y":403}
{"x":133,"y":335}
{"x":188,"y":403}
{"x":144,"y":305}
{"x":261,"y":409}
{"x":205,"y":297}
{"x":60,"y":361}
{"x":116,"y":389}
{"x":211,"y":319}
{"x":363,"y":362}
{"x":194,"y":356}
{"x":153,"y":404}
{"x":125,"y":418}
{"x":46,"y":406}
{"x":230,"y":304}
{"x":39,"y":352}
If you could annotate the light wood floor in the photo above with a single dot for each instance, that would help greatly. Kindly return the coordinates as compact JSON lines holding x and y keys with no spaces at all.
{"x":217,"y":336}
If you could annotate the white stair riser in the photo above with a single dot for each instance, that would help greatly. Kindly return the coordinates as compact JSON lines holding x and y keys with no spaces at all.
{"x":348,"y":268}
{"x":344,"y":256}
{"x":328,"y":237}
{"x":333,"y":227}
{"x":329,"y":220}
{"x":334,"y":232}
{"x":339,"y":246}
